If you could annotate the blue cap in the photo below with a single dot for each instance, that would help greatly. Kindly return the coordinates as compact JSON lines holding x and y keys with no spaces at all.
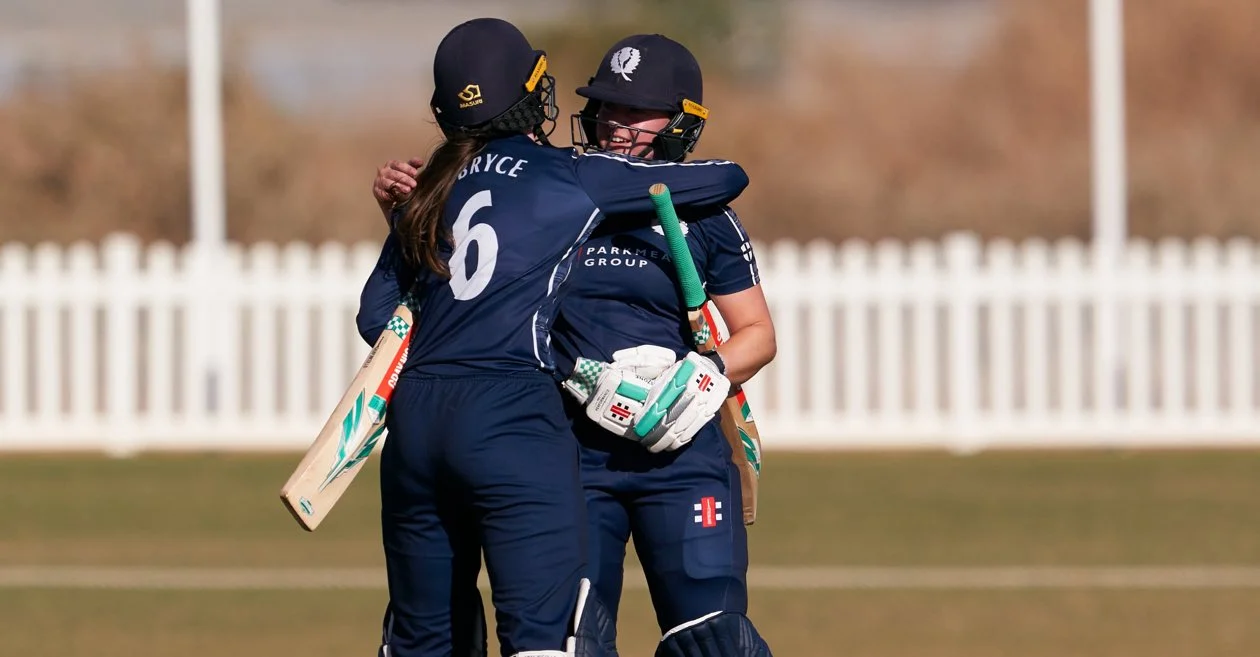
{"x":481,"y":69}
{"x":647,"y":71}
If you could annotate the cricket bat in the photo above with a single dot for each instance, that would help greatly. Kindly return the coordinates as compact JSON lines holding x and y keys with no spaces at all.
{"x":736,"y":417}
{"x":353,"y":430}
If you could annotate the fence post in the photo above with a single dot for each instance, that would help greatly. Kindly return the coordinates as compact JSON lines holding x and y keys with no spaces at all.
{"x":1242,"y":380}
{"x":1206,"y":296}
{"x":962,"y":264}
{"x":1139,"y":272}
{"x":1071,"y":274}
{"x":925,"y":296}
{"x":162,"y":269}
{"x":49,"y":334}
{"x":297,"y":271}
{"x":1109,"y":367}
{"x":14,"y":276}
{"x":889,"y":334}
{"x":264,"y":364}
{"x":820,"y":259}
{"x":122,"y":276}
{"x":1172,"y":273}
{"x":83,"y":271}
{"x":855,"y":272}
{"x":1003,"y":297}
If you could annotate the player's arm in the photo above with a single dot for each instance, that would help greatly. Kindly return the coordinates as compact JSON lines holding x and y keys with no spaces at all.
{"x":383,"y":290}
{"x":618,"y":184}
{"x":751,"y":344}
{"x":733,"y":282}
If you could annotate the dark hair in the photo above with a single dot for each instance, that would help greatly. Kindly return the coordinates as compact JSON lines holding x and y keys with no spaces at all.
{"x":420,"y":228}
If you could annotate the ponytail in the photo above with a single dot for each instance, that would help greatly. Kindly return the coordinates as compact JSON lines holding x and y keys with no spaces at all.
{"x":421,"y":230}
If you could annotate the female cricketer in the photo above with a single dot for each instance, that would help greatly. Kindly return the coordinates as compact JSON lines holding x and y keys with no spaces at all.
{"x":480,"y":456}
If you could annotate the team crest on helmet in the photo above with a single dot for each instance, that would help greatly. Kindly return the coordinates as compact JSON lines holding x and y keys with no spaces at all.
{"x":624,"y":62}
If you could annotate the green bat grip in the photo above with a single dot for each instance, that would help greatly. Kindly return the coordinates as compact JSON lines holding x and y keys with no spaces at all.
{"x":688,"y":277}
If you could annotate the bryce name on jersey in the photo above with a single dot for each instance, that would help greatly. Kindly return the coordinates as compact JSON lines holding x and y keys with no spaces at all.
{"x":517,"y":215}
{"x":625,"y":293}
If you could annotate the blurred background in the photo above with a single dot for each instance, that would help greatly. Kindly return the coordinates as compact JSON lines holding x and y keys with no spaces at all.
{"x":987,"y":433}
{"x":879,"y":118}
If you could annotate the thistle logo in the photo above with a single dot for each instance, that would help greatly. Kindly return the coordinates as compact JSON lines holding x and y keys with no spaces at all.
{"x":624,"y":62}
{"x":470,"y":96}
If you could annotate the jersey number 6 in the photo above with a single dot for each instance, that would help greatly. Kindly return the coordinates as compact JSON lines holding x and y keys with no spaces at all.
{"x":464,"y":286}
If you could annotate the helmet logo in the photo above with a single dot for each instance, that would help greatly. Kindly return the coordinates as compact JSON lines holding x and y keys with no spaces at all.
{"x":624,"y":62}
{"x":471,"y":95}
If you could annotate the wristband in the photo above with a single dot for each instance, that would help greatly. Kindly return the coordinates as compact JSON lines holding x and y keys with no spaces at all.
{"x":714,"y":356}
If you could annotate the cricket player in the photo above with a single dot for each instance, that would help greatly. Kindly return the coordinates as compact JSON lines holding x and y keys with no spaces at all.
{"x":480,"y":455}
{"x":679,"y":498}
{"x":681,"y":504}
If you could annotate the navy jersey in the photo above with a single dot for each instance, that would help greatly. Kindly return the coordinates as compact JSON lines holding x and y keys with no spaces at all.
{"x":517,"y":214}
{"x":625,"y":293}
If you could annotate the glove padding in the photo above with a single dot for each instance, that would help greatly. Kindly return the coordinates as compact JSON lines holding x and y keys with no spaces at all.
{"x":614,"y":392}
{"x":681,"y":401}
{"x":645,"y":362}
{"x":648,"y":396}
{"x":618,"y":398}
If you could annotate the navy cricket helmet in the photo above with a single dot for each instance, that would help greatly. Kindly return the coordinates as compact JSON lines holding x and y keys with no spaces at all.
{"x":651,"y":72}
{"x":488,"y":80}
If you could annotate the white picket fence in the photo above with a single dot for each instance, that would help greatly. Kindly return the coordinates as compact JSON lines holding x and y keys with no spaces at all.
{"x":958,"y":344}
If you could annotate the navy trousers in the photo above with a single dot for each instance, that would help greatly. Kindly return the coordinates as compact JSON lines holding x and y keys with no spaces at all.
{"x":684,"y":512}
{"x":477,"y":464}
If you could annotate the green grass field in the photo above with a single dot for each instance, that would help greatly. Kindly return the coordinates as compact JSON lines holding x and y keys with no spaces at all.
{"x":1099,"y":509}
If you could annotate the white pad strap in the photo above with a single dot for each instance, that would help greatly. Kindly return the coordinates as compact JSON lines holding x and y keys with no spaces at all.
{"x":691,"y":623}
{"x":594,"y":629}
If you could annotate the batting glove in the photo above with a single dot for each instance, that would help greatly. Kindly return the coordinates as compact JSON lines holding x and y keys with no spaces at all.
{"x":682,"y":400}
{"x":614,"y":392}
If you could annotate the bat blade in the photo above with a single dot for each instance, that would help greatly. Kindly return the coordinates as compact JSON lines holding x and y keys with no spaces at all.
{"x":355,"y":427}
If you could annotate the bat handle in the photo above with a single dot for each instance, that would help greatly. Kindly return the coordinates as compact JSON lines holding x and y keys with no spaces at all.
{"x":680,"y":253}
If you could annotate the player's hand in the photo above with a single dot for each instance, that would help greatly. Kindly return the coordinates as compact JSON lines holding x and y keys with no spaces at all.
{"x":395,"y":181}
{"x":617,"y":399}
{"x":645,"y":362}
{"x":682,"y":400}
{"x":614,"y":392}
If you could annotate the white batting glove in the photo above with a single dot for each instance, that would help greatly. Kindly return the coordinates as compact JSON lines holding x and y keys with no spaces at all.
{"x":618,"y":397}
{"x":614,"y":392}
{"x":646,"y":361}
{"x":610,"y":395}
{"x":682,"y":400}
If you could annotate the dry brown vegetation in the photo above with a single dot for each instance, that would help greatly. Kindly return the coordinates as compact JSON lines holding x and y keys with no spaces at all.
{"x":1000,"y":146}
